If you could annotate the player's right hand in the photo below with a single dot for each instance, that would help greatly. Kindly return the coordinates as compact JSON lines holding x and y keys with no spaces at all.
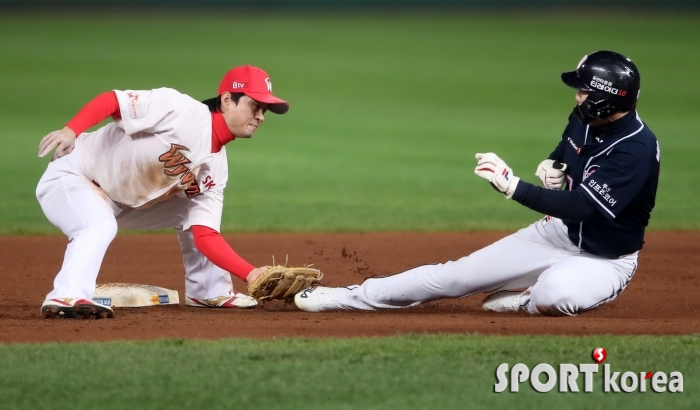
{"x":551,"y":173}
{"x":256,"y":273}
{"x":63,"y":140}
{"x":497,"y":172}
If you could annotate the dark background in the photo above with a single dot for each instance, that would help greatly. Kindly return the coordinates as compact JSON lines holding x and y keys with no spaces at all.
{"x":589,"y":6}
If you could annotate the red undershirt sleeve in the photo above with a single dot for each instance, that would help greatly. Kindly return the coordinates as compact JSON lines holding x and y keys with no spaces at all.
{"x":216,"y":249}
{"x":97,"y":110}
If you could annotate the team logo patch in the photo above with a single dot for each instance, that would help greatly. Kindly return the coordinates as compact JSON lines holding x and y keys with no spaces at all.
{"x":175,"y":163}
{"x":136,"y":107}
{"x":590,"y":171}
{"x":192,"y":189}
{"x":208,"y":182}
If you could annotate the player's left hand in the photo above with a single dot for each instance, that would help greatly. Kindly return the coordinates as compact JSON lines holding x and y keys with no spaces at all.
{"x":63,"y":140}
{"x":281,"y":282}
{"x":497,"y":172}
{"x":552,"y":174}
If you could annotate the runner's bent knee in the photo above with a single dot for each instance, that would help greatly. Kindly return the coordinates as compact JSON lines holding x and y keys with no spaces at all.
{"x":554,"y":295}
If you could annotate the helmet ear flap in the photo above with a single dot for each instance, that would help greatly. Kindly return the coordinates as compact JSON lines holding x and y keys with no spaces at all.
{"x":590,"y":110}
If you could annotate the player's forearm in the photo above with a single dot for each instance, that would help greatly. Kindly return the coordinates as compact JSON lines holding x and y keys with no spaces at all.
{"x":567,"y":205}
{"x":216,"y":249}
{"x":97,"y":110}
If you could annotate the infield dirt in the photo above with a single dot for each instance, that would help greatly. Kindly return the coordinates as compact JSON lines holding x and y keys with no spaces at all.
{"x":663,"y":297}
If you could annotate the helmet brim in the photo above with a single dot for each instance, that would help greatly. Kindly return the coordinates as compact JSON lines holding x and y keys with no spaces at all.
{"x":572,"y":79}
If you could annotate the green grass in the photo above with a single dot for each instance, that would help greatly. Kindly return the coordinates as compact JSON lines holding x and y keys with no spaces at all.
{"x":409,"y":372}
{"x":387,"y":110}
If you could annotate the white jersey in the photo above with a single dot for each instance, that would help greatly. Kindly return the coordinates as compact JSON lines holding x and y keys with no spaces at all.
{"x":161,"y":147}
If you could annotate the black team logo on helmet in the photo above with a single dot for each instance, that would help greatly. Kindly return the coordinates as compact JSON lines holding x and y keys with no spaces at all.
{"x":611,"y":79}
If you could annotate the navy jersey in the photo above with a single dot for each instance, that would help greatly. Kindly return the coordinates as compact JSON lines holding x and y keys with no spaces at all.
{"x":616,"y":168}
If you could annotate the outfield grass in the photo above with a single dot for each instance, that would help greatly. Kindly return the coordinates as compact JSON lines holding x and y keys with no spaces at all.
{"x":410,"y":372}
{"x":386,"y":114}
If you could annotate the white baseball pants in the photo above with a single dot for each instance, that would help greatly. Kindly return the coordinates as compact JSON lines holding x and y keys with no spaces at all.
{"x":560,"y":279}
{"x":85,"y":214}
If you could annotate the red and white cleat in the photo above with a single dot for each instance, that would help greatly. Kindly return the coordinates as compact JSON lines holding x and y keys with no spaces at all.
{"x":75,"y":308}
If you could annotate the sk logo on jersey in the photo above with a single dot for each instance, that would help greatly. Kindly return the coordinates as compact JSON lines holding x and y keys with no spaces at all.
{"x":208,"y":182}
{"x":174,"y":164}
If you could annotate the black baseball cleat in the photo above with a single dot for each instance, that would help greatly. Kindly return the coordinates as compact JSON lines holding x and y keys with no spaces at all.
{"x":72,"y":308}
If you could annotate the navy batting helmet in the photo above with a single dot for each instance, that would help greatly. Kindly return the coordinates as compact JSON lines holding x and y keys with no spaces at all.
{"x":611,"y":79}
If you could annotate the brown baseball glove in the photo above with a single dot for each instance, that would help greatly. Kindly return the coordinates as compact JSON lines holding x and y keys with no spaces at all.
{"x":281,"y":282}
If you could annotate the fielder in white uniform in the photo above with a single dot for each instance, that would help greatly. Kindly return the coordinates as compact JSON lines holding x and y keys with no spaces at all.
{"x":160,"y":164}
{"x":580,"y":256}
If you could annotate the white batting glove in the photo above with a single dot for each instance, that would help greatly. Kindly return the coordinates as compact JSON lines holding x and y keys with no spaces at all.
{"x":550,"y":174}
{"x":63,"y":140}
{"x":494,"y":170}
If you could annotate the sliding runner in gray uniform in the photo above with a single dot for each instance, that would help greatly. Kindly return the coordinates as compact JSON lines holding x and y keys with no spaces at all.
{"x":599,"y":187}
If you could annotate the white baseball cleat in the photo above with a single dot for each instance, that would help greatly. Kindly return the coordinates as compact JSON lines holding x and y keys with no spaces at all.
{"x":503,"y":301}
{"x":232,"y":300}
{"x":316,"y":299}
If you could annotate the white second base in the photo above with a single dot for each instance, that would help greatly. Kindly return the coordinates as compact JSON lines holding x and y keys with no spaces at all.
{"x":134,"y":295}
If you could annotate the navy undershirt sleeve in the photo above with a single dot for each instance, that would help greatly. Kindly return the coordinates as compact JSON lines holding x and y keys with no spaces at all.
{"x":570,"y":206}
